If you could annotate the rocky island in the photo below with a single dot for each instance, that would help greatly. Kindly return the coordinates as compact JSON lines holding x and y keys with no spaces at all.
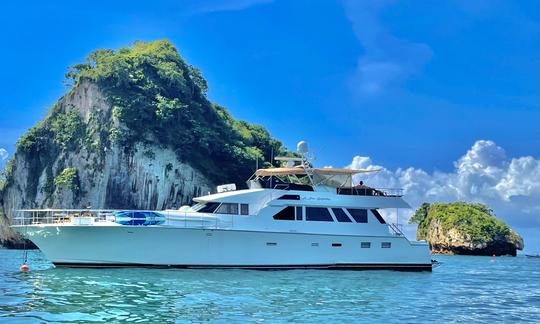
{"x":465,"y":228}
{"x":134,"y":131}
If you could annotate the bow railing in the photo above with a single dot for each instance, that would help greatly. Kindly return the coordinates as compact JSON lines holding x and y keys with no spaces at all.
{"x":24,"y":217}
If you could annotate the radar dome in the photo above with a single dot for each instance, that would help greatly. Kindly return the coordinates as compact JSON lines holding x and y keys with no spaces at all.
{"x":302,"y":147}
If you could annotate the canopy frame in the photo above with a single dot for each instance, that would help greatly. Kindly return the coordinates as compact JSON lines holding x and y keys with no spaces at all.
{"x":332,"y":177}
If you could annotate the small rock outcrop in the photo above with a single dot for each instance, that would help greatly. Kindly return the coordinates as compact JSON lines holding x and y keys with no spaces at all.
{"x":135,"y":131}
{"x":464,"y":228}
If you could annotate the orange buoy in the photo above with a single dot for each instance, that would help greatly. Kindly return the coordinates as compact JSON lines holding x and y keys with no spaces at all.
{"x":24,"y":268}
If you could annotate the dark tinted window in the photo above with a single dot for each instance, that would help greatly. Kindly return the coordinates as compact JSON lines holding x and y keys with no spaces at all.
{"x":298,"y":213}
{"x":359,"y":215}
{"x":290,"y":197}
{"x":341,"y":216}
{"x":244,"y":209}
{"x":336,"y":244}
{"x":228,"y":208}
{"x":386,"y":245}
{"x":365,"y":245}
{"x":378,"y":216}
{"x":209,"y":207}
{"x":285,"y":214}
{"x":318,"y":214}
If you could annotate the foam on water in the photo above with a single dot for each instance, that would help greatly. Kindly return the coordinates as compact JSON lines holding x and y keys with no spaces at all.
{"x":463,"y":288}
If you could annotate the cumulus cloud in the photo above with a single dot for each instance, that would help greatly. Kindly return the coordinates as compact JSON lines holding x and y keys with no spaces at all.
{"x":387,"y":60}
{"x":510,"y":186}
{"x":3,"y":154}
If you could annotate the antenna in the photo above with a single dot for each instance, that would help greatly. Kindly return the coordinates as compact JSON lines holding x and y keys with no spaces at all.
{"x":302,"y":148}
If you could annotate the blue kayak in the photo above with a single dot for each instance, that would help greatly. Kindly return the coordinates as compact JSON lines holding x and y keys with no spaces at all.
{"x":139,"y":218}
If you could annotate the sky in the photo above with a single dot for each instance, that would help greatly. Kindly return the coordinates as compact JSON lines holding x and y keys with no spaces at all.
{"x":444,"y":96}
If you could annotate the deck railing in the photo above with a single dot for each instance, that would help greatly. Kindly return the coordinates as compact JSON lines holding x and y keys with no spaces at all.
{"x":58,"y":216}
{"x":96,"y":216}
{"x":383,"y":192}
{"x":396,"y":229}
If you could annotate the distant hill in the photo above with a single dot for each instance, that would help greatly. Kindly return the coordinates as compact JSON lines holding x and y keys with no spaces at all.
{"x":464,"y":228}
{"x":135,"y":130}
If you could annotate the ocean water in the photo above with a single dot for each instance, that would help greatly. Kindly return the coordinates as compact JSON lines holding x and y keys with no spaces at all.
{"x":462,"y":289}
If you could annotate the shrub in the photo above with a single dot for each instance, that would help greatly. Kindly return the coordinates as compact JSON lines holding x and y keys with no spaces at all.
{"x":68,"y":178}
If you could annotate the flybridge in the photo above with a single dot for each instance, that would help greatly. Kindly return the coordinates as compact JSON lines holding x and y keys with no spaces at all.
{"x":298,"y":174}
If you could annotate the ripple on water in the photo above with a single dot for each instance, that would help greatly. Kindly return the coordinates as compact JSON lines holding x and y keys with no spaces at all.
{"x":463,"y":289}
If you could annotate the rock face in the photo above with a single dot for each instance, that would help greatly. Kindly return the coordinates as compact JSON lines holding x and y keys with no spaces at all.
{"x":456,"y":242}
{"x":469,"y":229}
{"x":149,"y":177}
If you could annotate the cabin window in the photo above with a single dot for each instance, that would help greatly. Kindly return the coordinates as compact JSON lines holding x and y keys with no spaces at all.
{"x":209,"y":207}
{"x":244,"y":209}
{"x":365,"y":245}
{"x":378,"y":216}
{"x":299,"y":213}
{"x":318,"y":214}
{"x":341,"y":216}
{"x":228,"y":208}
{"x":285,"y":214}
{"x":289,"y":197}
{"x":336,"y":244}
{"x":386,"y":245}
{"x":359,"y":215}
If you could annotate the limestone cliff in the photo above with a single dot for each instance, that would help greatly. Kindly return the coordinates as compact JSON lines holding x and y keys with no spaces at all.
{"x":135,"y":131}
{"x":462,"y":228}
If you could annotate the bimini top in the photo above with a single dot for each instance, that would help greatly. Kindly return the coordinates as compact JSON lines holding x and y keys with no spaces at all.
{"x":320,"y":176}
{"x":301,"y":171}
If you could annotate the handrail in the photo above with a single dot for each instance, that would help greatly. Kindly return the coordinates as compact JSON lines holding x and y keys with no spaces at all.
{"x":55,"y":216}
{"x":396,"y":229}
{"x":369,"y":191}
{"x":25,"y":217}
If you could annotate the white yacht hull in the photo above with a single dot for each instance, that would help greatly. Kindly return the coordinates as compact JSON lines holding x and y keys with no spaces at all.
{"x":165,"y":246}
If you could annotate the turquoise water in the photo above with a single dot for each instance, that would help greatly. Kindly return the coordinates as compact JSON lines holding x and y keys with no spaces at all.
{"x":462,"y":289}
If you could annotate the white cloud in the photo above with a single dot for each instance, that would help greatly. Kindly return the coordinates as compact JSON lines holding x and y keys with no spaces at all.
{"x":387,"y":60}
{"x":510,"y":186}
{"x":3,"y":154}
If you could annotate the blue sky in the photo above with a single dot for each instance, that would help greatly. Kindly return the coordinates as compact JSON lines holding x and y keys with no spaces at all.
{"x":407,"y":84}
{"x":438,"y":75}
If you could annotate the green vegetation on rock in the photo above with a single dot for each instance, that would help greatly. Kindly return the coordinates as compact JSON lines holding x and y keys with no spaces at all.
{"x":68,"y":129}
{"x":68,"y":179}
{"x":464,"y":228}
{"x":158,"y":100}
{"x":420,"y":214}
{"x":474,"y":220}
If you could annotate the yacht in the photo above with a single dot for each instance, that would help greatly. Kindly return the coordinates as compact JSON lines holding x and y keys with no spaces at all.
{"x":290,"y":217}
